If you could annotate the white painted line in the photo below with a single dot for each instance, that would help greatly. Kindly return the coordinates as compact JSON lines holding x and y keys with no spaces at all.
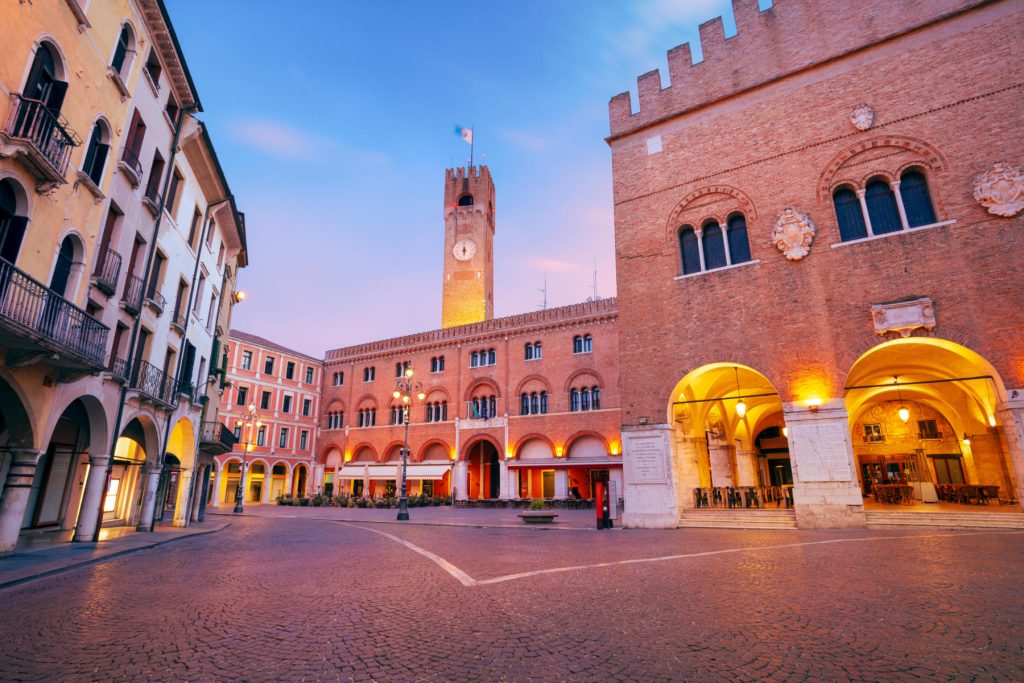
{"x":463,"y":578}
{"x":467,"y":580}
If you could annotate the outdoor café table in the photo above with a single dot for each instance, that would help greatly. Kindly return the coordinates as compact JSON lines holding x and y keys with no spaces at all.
{"x":892,"y":493}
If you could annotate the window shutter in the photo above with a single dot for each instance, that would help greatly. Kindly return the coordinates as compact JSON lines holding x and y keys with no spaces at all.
{"x":55,"y":100}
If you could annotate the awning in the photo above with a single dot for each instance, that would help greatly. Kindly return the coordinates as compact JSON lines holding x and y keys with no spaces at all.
{"x":562,"y":464}
{"x":431,"y":472}
{"x":368,"y":472}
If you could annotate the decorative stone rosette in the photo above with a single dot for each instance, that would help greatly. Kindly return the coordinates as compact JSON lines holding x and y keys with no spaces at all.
{"x":863,"y":117}
{"x":793,"y":234}
{"x":1001,"y":189}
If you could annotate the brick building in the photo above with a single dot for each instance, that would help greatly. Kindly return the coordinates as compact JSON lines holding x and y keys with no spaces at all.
{"x":515,"y":407}
{"x":283,"y":387}
{"x":818,"y":262}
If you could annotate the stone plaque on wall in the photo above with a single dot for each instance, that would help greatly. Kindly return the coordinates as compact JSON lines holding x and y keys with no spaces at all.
{"x":821,"y":452}
{"x":645,"y":460}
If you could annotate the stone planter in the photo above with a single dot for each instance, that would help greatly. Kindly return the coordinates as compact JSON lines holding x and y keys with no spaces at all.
{"x":537,"y":516}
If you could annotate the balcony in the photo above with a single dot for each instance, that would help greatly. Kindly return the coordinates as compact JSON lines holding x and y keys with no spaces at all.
{"x":118,"y":368}
{"x":216,"y":439}
{"x":40,"y":139}
{"x":131,"y":167}
{"x":156,"y":301}
{"x":36,"y":323}
{"x":108,"y":269}
{"x":153,"y":383}
{"x":132,"y":299}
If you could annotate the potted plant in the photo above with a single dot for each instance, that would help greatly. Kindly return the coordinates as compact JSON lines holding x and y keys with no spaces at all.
{"x":536,"y":514}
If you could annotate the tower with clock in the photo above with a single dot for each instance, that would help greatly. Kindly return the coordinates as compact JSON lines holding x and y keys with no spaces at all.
{"x":467,"y":295}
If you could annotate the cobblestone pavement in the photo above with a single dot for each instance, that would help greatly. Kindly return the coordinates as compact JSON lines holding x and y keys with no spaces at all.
{"x":306,"y":599}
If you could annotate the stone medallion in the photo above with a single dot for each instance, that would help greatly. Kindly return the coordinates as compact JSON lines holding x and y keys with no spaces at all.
{"x":1001,"y":190}
{"x":863,"y":116}
{"x":794,"y":231}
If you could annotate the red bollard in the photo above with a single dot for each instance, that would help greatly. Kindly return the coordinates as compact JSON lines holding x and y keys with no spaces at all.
{"x":599,"y":506}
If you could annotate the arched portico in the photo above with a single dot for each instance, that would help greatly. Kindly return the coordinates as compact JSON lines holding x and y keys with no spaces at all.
{"x":485,"y":471}
{"x":17,"y":463}
{"x":926,"y":426}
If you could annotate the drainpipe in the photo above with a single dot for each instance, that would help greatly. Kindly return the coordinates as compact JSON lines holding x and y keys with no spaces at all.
{"x":147,"y":273}
{"x":208,"y":219}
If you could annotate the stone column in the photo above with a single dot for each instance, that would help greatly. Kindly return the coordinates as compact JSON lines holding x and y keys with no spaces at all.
{"x":649,"y":477}
{"x":150,"y":484}
{"x":746,"y":467}
{"x":461,"y":480}
{"x":288,"y":483}
{"x":216,"y":486}
{"x":864,"y":211}
{"x":15,"y":496}
{"x":186,"y":480}
{"x":826,"y":492}
{"x":895,"y":185}
{"x":690,"y":453}
{"x":204,"y":483}
{"x":95,"y":488}
{"x":720,"y":457}
{"x":1011,"y":415}
{"x":504,"y":488}
{"x":561,"y":483}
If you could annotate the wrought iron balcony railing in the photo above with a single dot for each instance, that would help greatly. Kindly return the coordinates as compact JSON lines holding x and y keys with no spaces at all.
{"x":178,"y":322}
{"x":108,"y":268}
{"x":132,"y":299}
{"x":156,"y":300}
{"x":42,"y":318}
{"x":216,"y":438}
{"x":48,"y":133}
{"x":153,"y":382}
{"x":132,"y":165}
{"x":118,"y":367}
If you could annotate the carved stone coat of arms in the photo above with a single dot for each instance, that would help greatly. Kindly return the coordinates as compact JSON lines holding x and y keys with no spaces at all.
{"x":1001,"y":189}
{"x":794,"y":231}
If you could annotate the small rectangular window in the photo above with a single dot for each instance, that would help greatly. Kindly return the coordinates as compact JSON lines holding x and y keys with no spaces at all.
{"x":261,"y":436}
{"x":174,"y":194}
{"x":286,"y":404}
{"x":283,"y":442}
{"x":247,"y":360}
{"x":265,"y":400}
{"x":309,"y":375}
{"x":307,"y":405}
{"x":243,"y":396}
{"x":873,"y":433}
{"x":268,"y":365}
{"x":303,"y":438}
{"x":289,"y":370}
{"x":238,"y":432}
{"x":928,"y":429}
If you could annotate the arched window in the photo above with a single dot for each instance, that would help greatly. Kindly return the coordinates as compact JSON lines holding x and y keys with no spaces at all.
{"x":12,"y":226}
{"x":577,"y":344}
{"x":466,"y":200}
{"x":42,"y":83}
{"x":574,"y":400}
{"x":123,"y":52}
{"x":492,"y":405}
{"x":528,"y":352}
{"x":595,"y":398}
{"x":62,"y":269}
{"x":440,"y":363}
{"x":585,"y":399}
{"x":588,"y":343}
{"x":96,"y":153}
{"x":849,"y":215}
{"x":524,"y":404}
{"x":444,"y":410}
{"x":882,"y":211}
{"x":543,"y":402}
{"x":534,"y":404}
{"x":398,"y":369}
{"x":714,"y":246}
{"x":689,"y":250}
{"x":916,"y":200}
{"x":736,"y":233}
{"x":474,"y":359}
{"x":492,"y":356}
{"x":537,"y":351}
{"x":476,"y":407}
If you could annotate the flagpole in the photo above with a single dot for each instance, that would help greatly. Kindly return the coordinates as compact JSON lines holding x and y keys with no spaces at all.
{"x":472,"y":139}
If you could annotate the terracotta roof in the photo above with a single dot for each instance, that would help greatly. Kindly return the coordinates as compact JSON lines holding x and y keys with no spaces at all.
{"x":261,"y":341}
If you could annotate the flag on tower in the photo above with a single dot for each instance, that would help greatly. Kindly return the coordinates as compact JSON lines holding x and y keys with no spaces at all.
{"x":465,"y":133}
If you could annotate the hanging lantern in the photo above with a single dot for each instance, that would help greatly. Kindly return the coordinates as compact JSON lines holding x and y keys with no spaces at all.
{"x":741,"y":408}
{"x":903,"y":410}
{"x":904,"y":413}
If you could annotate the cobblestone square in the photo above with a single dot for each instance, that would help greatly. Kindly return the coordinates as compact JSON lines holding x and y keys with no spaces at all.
{"x":276,"y":597}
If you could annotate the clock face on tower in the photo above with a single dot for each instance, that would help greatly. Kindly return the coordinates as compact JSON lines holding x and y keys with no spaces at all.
{"x":464,"y":249}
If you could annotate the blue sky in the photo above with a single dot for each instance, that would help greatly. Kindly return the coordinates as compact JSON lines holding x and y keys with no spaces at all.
{"x":335,"y":122}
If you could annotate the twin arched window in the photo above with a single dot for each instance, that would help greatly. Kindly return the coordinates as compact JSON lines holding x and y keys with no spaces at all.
{"x":437,"y":364}
{"x":533,"y":351}
{"x":533,"y":403}
{"x":582,"y":343}
{"x":884,"y":207}
{"x":587,"y":398}
{"x":367,"y":417}
{"x":400,"y":368}
{"x":397,"y":415}
{"x":338,"y":379}
{"x":713,"y":248}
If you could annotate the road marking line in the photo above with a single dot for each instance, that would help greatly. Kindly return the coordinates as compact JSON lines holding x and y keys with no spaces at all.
{"x":463,"y":578}
{"x":467,"y":580}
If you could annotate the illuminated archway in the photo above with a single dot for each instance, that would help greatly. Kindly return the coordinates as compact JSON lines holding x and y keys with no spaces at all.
{"x":923,"y":418}
{"x":717,"y":412}
{"x":177,"y":476}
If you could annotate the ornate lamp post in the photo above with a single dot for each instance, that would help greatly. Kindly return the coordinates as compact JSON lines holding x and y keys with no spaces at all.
{"x":248,"y":425}
{"x":405,"y":389}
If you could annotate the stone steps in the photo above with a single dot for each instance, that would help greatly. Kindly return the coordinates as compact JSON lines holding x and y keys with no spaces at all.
{"x":944,"y":520}
{"x":738,"y":519}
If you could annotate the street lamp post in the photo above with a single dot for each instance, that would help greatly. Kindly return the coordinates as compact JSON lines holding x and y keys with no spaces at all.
{"x":248,"y":425}
{"x":405,"y":389}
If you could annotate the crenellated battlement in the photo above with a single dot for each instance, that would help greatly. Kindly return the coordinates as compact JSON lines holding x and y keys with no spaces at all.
{"x":579,"y":313}
{"x":769,"y":44}
{"x":475,"y":180}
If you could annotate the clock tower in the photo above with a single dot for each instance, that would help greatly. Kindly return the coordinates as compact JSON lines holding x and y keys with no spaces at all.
{"x":467,"y":295}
